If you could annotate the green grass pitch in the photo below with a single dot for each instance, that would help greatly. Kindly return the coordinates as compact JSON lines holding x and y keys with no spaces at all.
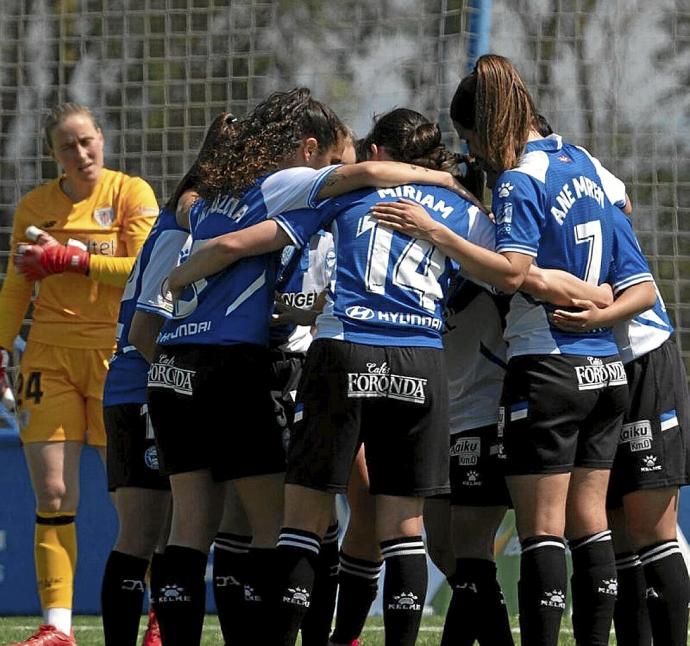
{"x":88,"y":631}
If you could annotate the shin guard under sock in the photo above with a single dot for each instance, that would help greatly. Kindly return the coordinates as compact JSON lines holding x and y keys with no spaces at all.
{"x":404,"y":589}
{"x":181,"y":600}
{"x":122,"y":598}
{"x":668,"y":592}
{"x":542,"y":589}
{"x":358,"y":584}
{"x":594,"y":586}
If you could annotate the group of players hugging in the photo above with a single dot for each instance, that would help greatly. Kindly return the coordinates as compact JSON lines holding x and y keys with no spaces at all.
{"x":312,"y":315}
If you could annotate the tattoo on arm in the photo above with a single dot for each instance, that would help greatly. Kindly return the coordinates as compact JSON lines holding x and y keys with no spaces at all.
{"x":332,"y":180}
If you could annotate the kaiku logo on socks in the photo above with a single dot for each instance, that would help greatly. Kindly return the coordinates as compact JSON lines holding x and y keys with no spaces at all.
{"x":554,"y":599}
{"x":297,"y":597}
{"x":608,"y":586}
{"x":173,"y":594}
{"x":405,"y":601}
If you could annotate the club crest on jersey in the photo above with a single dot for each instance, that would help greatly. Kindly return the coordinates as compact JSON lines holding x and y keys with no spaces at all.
{"x":505,"y":214}
{"x":104,"y":217}
{"x":564,"y":158}
{"x":286,"y":255}
{"x":466,"y":450}
{"x":638,"y":435}
{"x":599,"y":374}
{"x":378,"y":381}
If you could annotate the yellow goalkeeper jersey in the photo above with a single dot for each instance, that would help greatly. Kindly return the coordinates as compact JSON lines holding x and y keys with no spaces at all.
{"x":71,"y":310}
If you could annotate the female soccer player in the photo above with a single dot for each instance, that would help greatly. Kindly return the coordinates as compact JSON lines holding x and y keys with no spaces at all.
{"x":213,"y":363}
{"x":141,"y":495}
{"x":565,"y":393}
{"x":651,"y":461}
{"x":375,"y":373}
{"x":93,"y":222}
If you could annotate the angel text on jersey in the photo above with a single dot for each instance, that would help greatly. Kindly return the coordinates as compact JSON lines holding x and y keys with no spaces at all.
{"x":378,"y":381}
{"x":304,"y":300}
{"x":425,"y":199}
{"x":582,"y":187}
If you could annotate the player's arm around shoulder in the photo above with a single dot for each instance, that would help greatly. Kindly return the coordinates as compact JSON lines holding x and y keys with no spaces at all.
{"x":410,"y":218}
{"x":137,"y":209}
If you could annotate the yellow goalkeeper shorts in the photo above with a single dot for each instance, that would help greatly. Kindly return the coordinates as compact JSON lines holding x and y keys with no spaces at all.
{"x":60,"y":394}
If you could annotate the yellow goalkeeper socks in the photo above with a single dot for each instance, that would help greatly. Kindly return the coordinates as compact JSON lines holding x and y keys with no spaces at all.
{"x":55,"y":551}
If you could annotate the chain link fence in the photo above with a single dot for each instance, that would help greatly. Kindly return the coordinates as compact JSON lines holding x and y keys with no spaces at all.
{"x":611,"y":75}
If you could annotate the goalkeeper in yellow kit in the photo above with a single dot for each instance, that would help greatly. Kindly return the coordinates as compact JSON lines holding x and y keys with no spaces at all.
{"x":84,"y":232}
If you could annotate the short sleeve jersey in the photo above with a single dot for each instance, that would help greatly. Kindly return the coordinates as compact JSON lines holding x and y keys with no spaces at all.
{"x":234,"y":305}
{"x":648,"y":330}
{"x":554,"y":207}
{"x":145,"y":290}
{"x":303,"y":275}
{"x":387,"y":287}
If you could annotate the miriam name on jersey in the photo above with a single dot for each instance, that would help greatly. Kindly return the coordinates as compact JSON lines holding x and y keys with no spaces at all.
{"x":235,"y":305}
{"x":166,"y":245}
{"x":556,"y":206}
{"x":646,"y":331}
{"x":387,"y":288}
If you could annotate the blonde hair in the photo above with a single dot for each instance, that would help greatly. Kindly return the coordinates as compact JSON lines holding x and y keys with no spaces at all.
{"x":59,"y":113}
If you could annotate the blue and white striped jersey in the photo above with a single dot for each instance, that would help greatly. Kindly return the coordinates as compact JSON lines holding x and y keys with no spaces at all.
{"x":648,"y":330}
{"x":387,"y":288}
{"x":555,"y":207}
{"x":235,"y":305}
{"x":145,"y":290}
{"x":303,"y":275}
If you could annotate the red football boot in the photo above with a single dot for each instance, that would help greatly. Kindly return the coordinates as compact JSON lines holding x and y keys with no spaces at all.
{"x":48,"y":635}
{"x":152,"y":636}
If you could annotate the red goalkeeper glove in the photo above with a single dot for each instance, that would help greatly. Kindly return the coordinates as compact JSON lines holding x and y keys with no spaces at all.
{"x":6,"y":394}
{"x":48,"y":256}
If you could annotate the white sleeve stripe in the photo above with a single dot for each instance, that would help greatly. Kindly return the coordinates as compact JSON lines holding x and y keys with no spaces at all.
{"x":289,"y":229}
{"x":632,"y":280}
{"x":529,"y":251}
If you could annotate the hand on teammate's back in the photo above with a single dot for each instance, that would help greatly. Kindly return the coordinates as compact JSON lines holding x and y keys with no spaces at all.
{"x":47,"y":256}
